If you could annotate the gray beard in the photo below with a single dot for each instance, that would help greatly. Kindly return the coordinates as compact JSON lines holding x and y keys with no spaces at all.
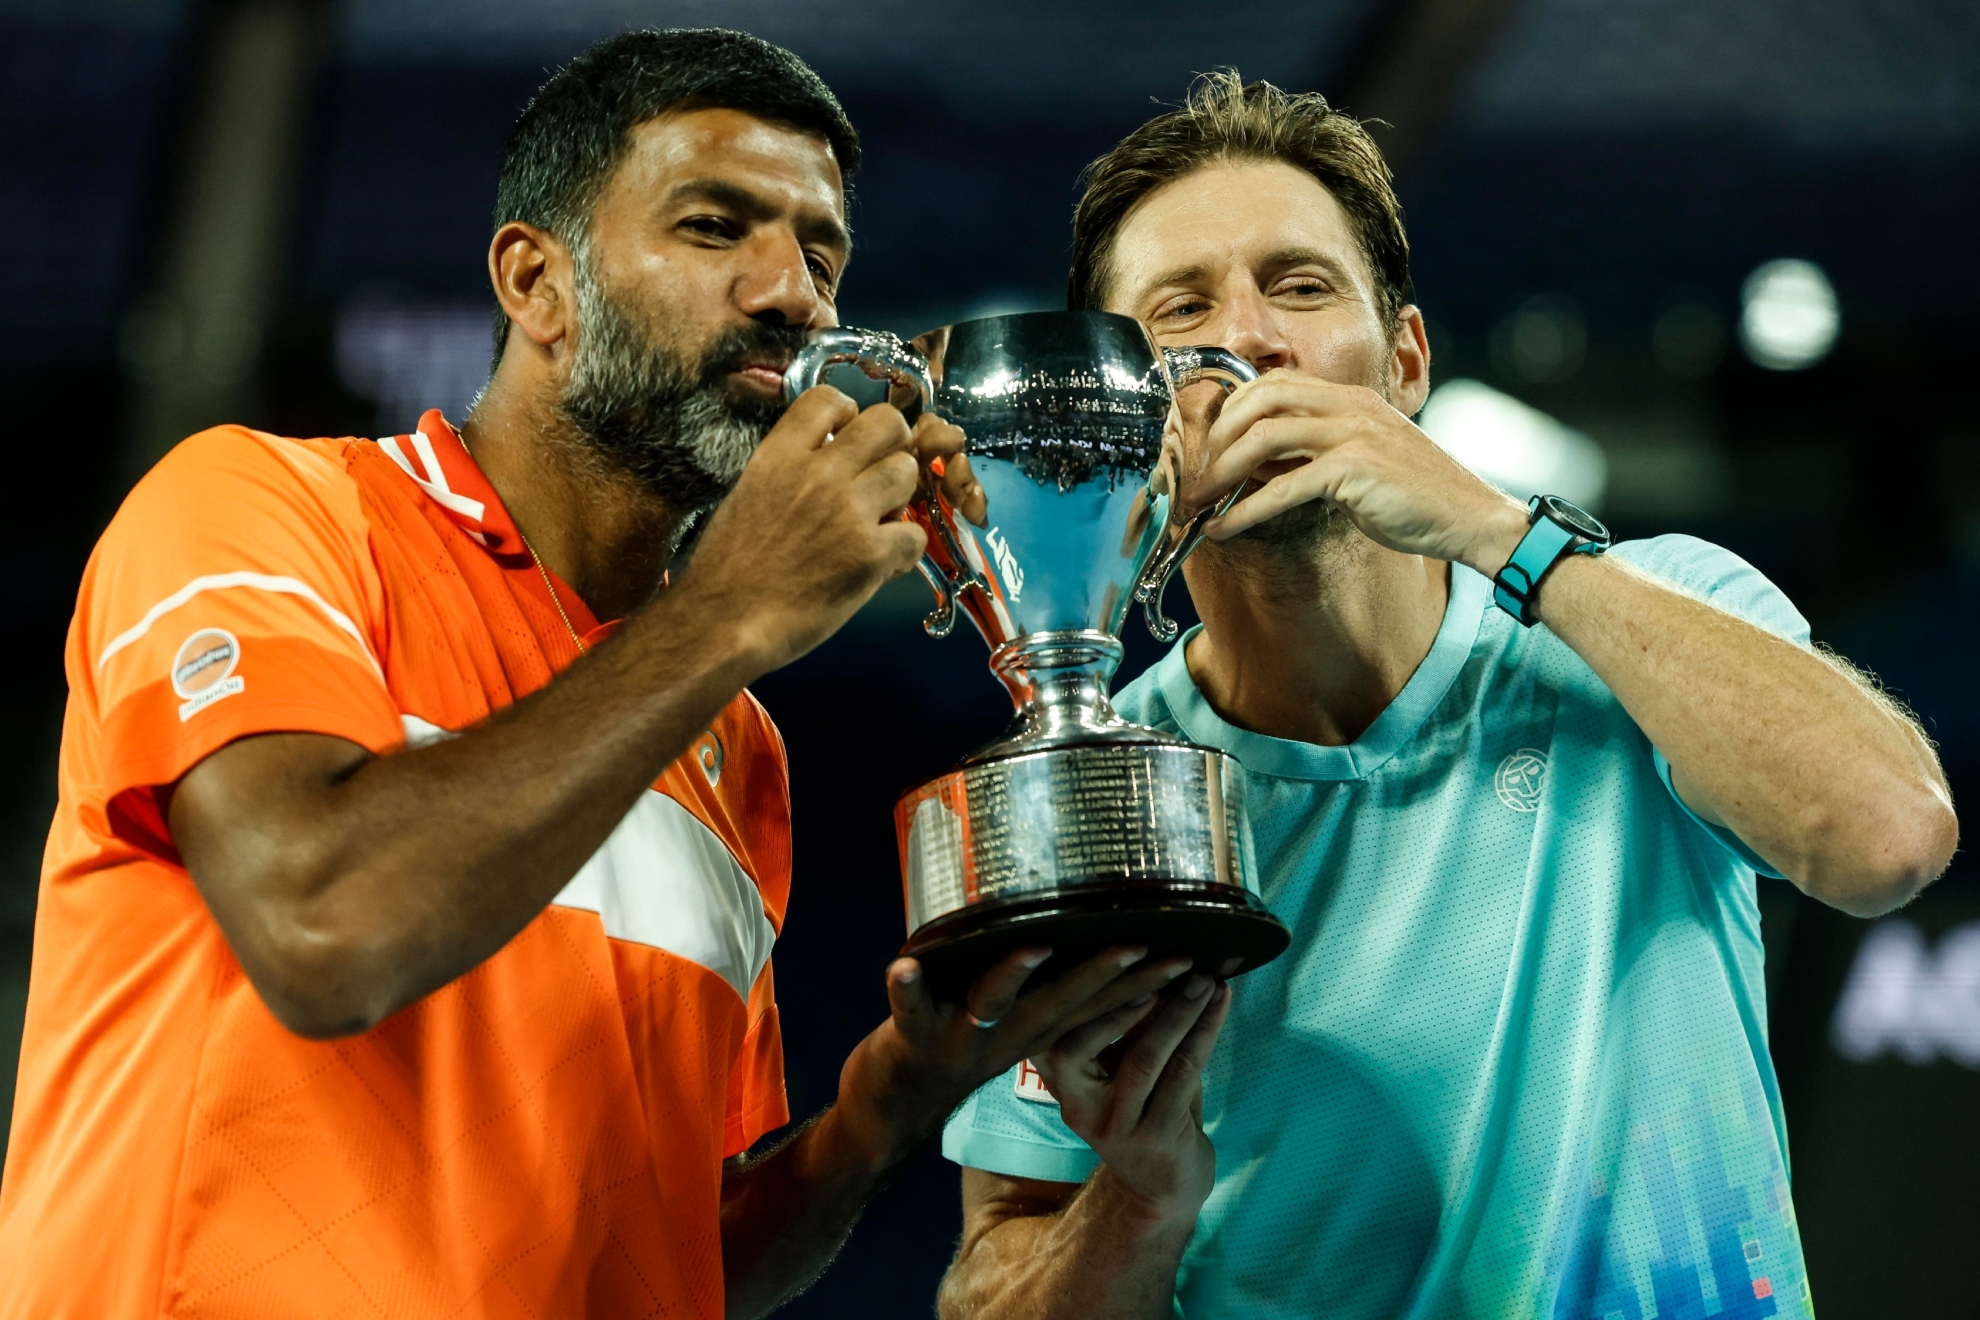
{"x":647,"y":412}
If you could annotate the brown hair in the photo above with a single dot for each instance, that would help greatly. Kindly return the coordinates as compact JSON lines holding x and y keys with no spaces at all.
{"x":1226,"y":118}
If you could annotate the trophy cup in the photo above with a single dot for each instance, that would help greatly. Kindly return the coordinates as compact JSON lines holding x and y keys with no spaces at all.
{"x":1074,"y":829}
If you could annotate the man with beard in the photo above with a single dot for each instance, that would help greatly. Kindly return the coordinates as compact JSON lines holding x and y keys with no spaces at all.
{"x":404,"y":933}
{"x":1515,"y":1061}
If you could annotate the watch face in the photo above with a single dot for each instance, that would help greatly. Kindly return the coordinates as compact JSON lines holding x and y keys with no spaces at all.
{"x":1575,"y":519}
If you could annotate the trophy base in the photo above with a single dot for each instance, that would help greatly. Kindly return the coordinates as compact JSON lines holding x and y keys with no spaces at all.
{"x":1213,"y":924}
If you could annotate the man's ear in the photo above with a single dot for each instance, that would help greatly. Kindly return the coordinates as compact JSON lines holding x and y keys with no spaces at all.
{"x":1409,"y":363}
{"x":535,"y":281}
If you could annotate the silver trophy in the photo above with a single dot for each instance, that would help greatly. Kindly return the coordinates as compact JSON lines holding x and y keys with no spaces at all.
{"x":1074,"y":829}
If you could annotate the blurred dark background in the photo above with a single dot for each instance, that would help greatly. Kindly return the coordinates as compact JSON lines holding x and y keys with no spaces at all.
{"x":1722,"y":256}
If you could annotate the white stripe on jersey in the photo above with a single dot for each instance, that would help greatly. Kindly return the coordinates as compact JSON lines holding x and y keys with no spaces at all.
{"x":664,"y":879}
{"x":287,"y":586}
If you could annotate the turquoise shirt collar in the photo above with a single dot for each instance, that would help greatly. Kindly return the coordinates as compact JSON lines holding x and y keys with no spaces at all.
{"x":1390,"y":733}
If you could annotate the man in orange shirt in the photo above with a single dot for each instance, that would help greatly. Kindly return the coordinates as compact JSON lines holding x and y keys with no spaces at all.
{"x":404,"y":940}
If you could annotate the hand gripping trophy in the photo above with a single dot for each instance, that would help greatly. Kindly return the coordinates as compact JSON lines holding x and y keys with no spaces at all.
{"x":1075,"y":829}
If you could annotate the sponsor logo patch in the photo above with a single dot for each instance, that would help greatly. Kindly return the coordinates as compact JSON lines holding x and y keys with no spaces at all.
{"x":1031,"y":1085}
{"x":203,"y":670}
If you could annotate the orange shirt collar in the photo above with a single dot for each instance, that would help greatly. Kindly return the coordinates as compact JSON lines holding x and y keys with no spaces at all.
{"x":439,"y":463}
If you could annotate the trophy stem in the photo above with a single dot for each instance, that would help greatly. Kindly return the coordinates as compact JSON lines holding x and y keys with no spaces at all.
{"x":1058,"y":681}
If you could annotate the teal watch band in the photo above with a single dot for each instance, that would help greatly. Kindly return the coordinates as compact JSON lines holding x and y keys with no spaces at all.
{"x":1547,"y":540}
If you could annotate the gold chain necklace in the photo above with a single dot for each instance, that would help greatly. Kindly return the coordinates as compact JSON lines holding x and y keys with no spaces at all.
{"x":550,"y":587}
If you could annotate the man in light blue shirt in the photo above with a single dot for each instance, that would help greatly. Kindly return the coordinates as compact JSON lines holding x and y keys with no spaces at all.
{"x":1515,"y":1061}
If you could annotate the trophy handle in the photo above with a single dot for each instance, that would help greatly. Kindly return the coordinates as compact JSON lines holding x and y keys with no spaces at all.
{"x":948,"y":570}
{"x":883,"y":356}
{"x":1187,"y":366}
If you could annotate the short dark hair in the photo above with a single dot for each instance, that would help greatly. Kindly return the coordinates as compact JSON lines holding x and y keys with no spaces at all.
{"x":578,"y":126}
{"x":1226,"y":118}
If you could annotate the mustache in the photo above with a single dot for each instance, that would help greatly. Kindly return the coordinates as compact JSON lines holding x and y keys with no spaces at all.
{"x":757,"y":344}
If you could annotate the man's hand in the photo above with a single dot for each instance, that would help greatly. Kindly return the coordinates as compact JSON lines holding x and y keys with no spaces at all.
{"x":1302,"y":438}
{"x":785,"y":1214}
{"x":812,"y":528}
{"x":1130,"y":1084}
{"x":941,"y":453}
{"x":916,"y":1067}
{"x":1747,"y":720}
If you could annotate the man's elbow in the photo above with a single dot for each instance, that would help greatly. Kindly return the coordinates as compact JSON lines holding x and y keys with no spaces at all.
{"x":1889,"y":855}
{"x":964,"y":1289}
{"x":970,"y":1288}
{"x":314,"y":1011}
{"x":319,"y":980}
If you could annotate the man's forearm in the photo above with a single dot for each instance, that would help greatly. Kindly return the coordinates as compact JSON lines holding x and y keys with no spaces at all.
{"x":786,"y":1214}
{"x":1102,"y":1257}
{"x":385,"y":877}
{"x":1816,"y":774}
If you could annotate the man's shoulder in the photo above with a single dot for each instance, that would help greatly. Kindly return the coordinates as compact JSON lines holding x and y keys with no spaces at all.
{"x":233,"y":472}
{"x":1679,"y":557}
{"x":242,"y":450}
{"x":228,"y":500}
{"x":1719,"y":577}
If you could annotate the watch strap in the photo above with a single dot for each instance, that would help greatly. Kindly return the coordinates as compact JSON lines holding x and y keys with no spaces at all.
{"x":1515,"y":585}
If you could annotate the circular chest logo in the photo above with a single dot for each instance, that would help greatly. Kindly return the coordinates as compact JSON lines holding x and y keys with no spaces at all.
{"x":1521,"y":778}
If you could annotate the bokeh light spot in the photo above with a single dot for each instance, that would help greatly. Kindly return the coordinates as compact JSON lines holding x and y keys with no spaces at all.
{"x":1791,"y":317}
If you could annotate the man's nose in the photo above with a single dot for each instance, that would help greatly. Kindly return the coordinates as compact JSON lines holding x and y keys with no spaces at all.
{"x":1249,"y":329}
{"x":776,"y":285}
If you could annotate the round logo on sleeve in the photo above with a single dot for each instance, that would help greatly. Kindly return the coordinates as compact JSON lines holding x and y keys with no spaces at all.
{"x":203,"y":670}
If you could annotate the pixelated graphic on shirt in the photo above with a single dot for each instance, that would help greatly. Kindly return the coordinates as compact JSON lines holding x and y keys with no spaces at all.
{"x":203,"y":670}
{"x":1690,"y":1203}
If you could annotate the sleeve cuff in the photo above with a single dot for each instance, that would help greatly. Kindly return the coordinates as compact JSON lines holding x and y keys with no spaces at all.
{"x":166,"y":764}
{"x":1727,"y":839}
{"x":1017,"y":1159}
{"x":742,"y":1131}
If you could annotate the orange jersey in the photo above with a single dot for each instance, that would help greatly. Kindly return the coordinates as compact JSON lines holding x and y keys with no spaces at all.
{"x":542,"y":1137}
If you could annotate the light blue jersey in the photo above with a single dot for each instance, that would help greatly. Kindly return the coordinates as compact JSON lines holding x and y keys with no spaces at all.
{"x":1515,"y":1061}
